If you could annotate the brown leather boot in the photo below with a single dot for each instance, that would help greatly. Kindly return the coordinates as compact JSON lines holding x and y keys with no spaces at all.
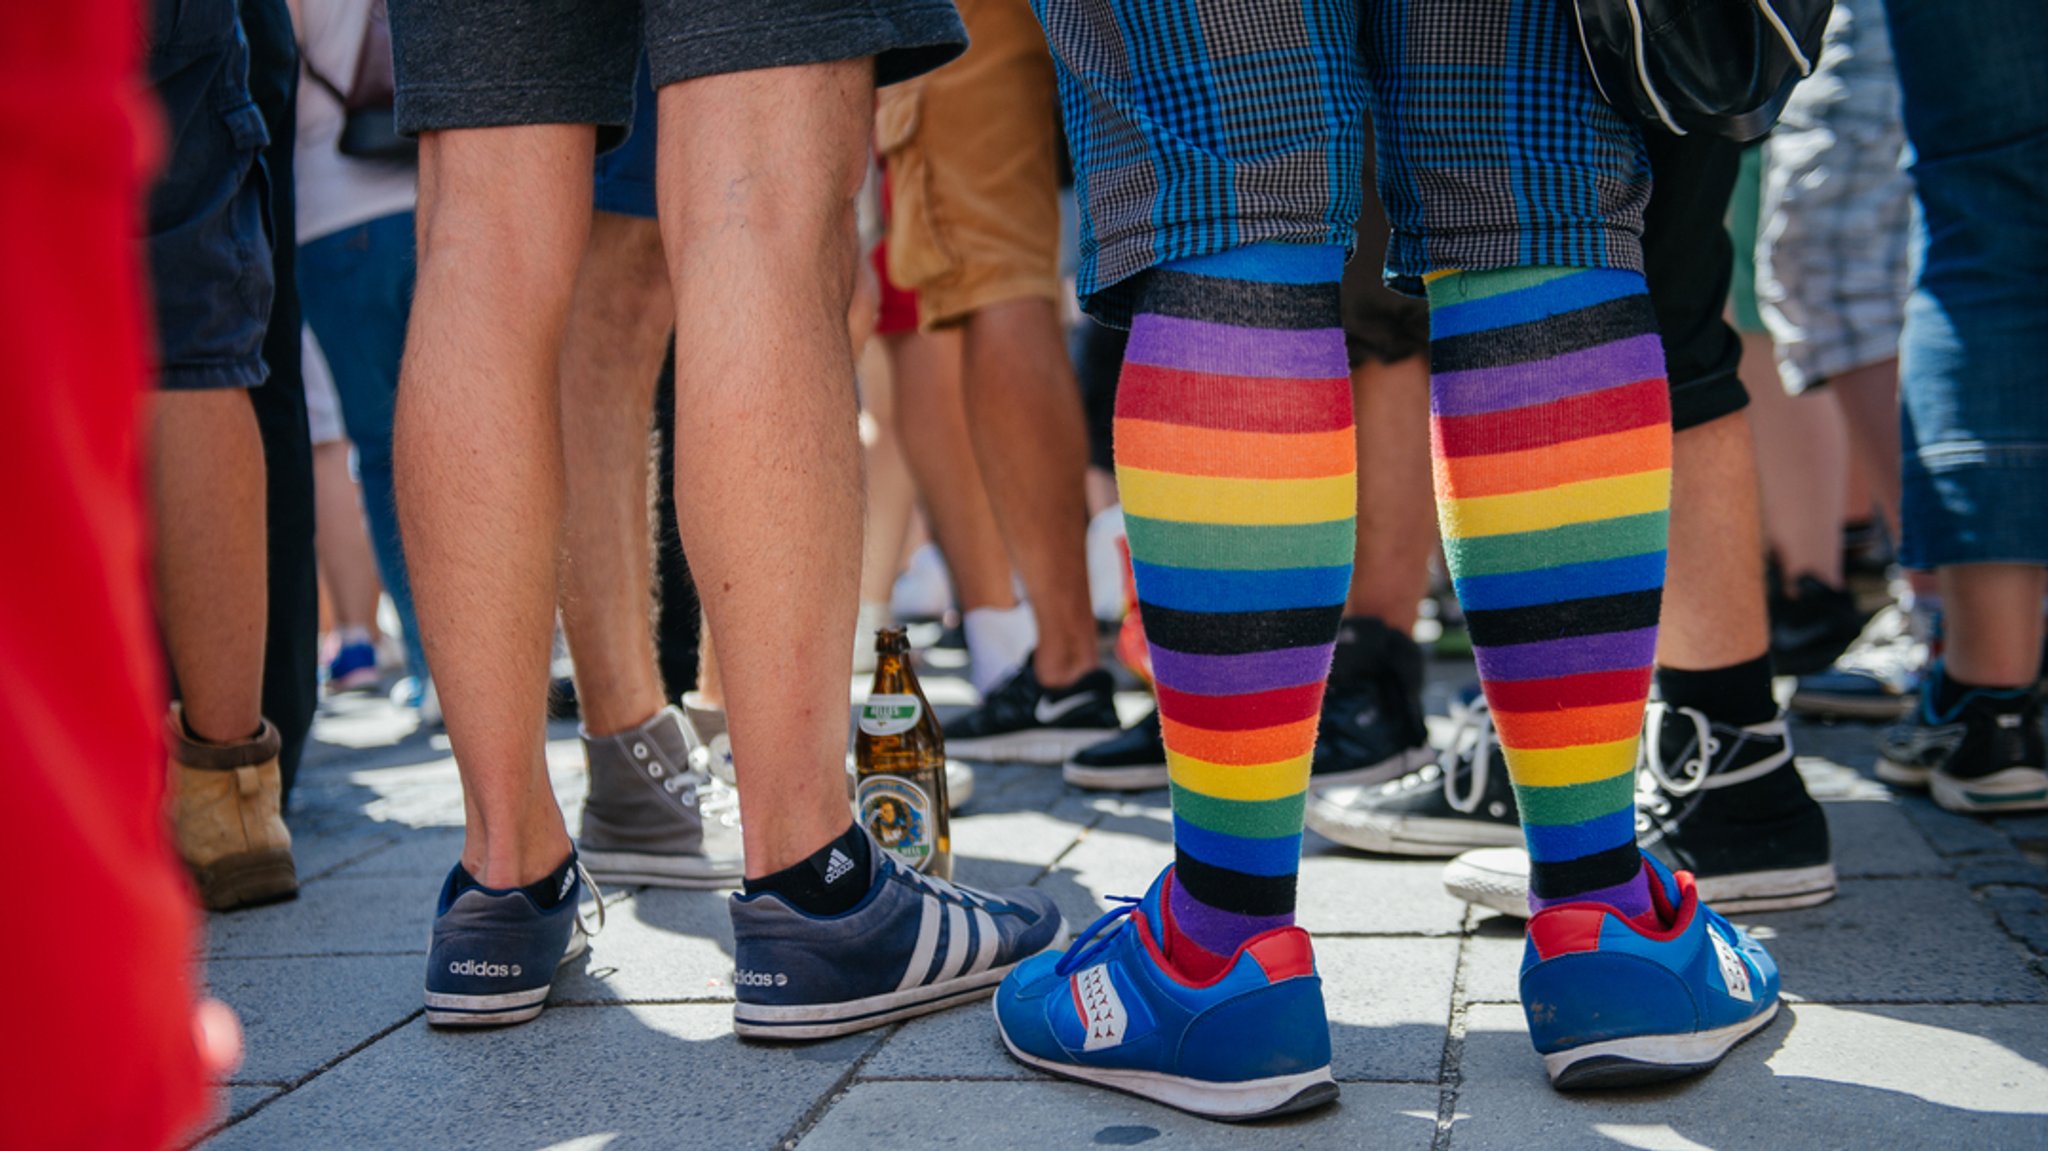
{"x":227,"y":814}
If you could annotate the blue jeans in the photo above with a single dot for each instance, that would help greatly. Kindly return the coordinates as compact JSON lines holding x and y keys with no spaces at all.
{"x":1975,"y":413}
{"x":355,"y":286}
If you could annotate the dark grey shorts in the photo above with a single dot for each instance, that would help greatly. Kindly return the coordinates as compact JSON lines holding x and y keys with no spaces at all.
{"x":493,"y":63}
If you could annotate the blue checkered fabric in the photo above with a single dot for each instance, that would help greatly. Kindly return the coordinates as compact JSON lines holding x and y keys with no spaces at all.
{"x":1202,"y":125}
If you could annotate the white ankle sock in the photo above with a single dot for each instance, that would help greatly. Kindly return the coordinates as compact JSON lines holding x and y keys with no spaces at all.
{"x":998,"y":642}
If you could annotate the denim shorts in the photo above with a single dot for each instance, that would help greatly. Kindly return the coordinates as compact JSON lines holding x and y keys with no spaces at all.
{"x":493,"y":63}
{"x":1199,"y":127}
{"x":1976,"y":329}
{"x":207,"y":230}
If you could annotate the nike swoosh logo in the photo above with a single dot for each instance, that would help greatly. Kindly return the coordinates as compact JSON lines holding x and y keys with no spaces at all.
{"x":1046,"y":711}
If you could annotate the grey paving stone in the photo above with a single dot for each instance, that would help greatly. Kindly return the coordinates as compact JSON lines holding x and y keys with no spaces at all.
{"x":414,"y":853}
{"x":1953,"y":834}
{"x":1493,"y":961}
{"x":1897,"y":940}
{"x":589,"y":1077}
{"x":658,"y":944}
{"x":301,"y":1014}
{"x":1343,"y":892}
{"x":2007,"y":871}
{"x":1877,"y":839}
{"x":1820,"y":1076}
{"x":1388,"y":1001}
{"x":333,"y":916}
{"x":1040,"y":1114}
{"x":229,"y":1104}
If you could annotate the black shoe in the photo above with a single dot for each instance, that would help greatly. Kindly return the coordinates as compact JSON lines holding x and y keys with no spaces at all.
{"x":1023,"y":721}
{"x":1812,"y":626}
{"x":1462,"y":801}
{"x":1133,"y":760}
{"x":1726,"y":804}
{"x":1371,"y":729}
{"x":1985,"y":753}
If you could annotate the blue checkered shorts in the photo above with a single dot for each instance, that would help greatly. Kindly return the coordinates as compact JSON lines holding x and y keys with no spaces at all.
{"x":1202,"y":125}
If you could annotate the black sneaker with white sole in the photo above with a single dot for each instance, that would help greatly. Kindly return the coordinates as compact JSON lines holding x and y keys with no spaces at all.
{"x":1023,"y":721}
{"x":1462,"y":801}
{"x":1984,"y":753}
{"x":1133,"y":760}
{"x":1727,"y":804}
{"x":1371,"y":728}
{"x":1723,"y":802}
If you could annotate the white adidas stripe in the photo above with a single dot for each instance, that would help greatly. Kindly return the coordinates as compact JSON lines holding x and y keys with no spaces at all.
{"x":956,"y":942}
{"x":927,"y":943}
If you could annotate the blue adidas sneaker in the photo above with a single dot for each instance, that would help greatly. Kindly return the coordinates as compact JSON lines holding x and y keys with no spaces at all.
{"x":1614,"y":1001}
{"x":914,"y":944}
{"x":1254,"y":1041}
{"x":494,"y":951}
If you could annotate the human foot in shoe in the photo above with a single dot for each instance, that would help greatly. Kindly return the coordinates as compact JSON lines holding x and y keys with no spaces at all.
{"x":1371,"y":730}
{"x":1978,"y":749}
{"x":494,"y":952}
{"x":1462,"y":801}
{"x":1251,"y":1041}
{"x":1132,"y":760}
{"x":913,"y":944}
{"x":1025,"y":721}
{"x":654,"y":816}
{"x":1614,"y":1001}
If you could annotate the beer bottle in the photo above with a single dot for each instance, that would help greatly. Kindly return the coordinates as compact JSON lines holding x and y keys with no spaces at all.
{"x":900,"y":761}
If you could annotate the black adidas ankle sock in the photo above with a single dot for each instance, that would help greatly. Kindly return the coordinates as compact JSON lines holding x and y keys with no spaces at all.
{"x":830,"y":881}
{"x":546,"y":892}
{"x":1738,"y":695}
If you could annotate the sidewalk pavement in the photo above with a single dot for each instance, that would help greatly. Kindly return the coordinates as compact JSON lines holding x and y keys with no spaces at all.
{"x":1917,"y":1000}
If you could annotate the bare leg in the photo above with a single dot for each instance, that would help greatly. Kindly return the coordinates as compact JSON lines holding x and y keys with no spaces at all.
{"x":758,"y":171}
{"x":1992,"y":622}
{"x":931,"y":414}
{"x":619,"y":321}
{"x":892,"y":495}
{"x":342,"y":544}
{"x":1869,"y":398}
{"x":1024,"y":411}
{"x":504,"y":215}
{"x":1396,"y":509}
{"x":1802,"y":461}
{"x":207,"y":500}
{"x":1713,"y":586}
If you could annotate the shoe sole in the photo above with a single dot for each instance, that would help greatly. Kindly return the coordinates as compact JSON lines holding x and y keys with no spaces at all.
{"x":474,"y":1011}
{"x":1420,"y":838}
{"x":1781,"y":890}
{"x":826,"y":1020}
{"x":1902,"y":774}
{"x":1372,"y":775}
{"x":1046,"y":746}
{"x":2014,"y":789}
{"x":1648,"y":1058}
{"x":1142,"y":777}
{"x":1231,"y":1102}
{"x":1824,"y":706}
{"x":247,"y":880}
{"x":692,"y":873}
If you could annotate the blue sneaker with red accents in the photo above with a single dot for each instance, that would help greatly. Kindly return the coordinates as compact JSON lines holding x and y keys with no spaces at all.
{"x":1253,"y":1041}
{"x":1614,"y":1001}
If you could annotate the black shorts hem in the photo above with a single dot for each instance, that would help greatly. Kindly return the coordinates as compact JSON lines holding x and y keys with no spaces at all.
{"x":908,"y":45}
{"x":451,"y":107}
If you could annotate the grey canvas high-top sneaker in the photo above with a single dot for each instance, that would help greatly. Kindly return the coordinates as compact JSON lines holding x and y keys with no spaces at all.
{"x":654,"y":818}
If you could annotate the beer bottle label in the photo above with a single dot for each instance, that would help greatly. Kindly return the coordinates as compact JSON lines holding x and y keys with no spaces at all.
{"x":890,"y":714}
{"x":898,"y":813}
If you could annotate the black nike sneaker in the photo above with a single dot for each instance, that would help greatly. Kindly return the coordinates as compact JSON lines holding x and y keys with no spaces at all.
{"x":1726,"y":804}
{"x":1371,"y":730}
{"x":1984,"y":753}
{"x":1811,"y":626}
{"x":1462,"y":801}
{"x":1023,"y":721}
{"x":1133,"y":760}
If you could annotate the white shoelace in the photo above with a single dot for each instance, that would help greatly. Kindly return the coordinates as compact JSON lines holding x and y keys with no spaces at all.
{"x":1471,"y":734}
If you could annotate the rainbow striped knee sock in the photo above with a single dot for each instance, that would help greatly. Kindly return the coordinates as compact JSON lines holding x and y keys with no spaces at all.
{"x":1551,"y":428}
{"x":1238,"y":471}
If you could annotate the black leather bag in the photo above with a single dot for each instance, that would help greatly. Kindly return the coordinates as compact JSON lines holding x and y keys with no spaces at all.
{"x":1720,"y":66}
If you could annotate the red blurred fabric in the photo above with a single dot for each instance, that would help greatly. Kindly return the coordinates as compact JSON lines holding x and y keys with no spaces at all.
{"x":99,"y":1049}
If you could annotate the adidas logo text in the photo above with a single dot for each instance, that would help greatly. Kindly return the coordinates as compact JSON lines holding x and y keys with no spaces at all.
{"x":760,"y":978}
{"x":837,"y":866}
{"x":488,"y":970}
